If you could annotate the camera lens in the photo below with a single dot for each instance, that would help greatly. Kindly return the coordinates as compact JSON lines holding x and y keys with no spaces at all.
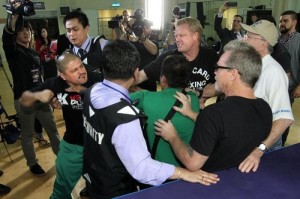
{"x":27,"y":10}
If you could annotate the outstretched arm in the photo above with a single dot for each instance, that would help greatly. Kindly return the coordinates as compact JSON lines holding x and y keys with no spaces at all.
{"x":189,"y":157}
{"x":218,"y":20}
{"x":251,"y":163}
{"x":198,"y":176}
{"x":28,"y":98}
{"x":186,"y":109}
{"x":149,"y":45}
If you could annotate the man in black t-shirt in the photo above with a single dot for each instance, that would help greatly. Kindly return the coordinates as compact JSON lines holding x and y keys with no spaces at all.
{"x":202,"y":60}
{"x":25,"y":67}
{"x":227,"y":132}
{"x":73,"y":78}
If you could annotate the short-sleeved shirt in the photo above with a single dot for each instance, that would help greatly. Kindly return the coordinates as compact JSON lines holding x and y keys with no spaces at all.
{"x":72,"y":104}
{"x":272,"y":86}
{"x":229,"y":130}
{"x":202,"y":67}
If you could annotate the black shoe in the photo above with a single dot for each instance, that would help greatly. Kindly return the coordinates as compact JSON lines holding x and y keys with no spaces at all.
{"x":84,"y":192}
{"x":4,"y":189}
{"x":37,"y":170}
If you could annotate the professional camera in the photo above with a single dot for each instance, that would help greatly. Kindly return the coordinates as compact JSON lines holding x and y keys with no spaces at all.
{"x":115,"y":22}
{"x":138,"y":26}
{"x":26,"y":8}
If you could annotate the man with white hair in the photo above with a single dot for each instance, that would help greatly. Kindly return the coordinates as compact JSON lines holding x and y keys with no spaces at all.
{"x":272,"y":86}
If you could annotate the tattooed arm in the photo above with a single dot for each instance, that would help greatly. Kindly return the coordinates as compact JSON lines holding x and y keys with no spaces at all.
{"x":191,"y":159}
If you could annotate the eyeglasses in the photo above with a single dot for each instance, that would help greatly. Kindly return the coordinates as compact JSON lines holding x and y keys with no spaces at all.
{"x":251,"y":37}
{"x":217,"y":67}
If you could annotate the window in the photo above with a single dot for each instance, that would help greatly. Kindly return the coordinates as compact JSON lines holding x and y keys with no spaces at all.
{"x":154,"y":12}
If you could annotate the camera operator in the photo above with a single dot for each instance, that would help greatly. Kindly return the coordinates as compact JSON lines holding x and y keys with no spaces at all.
{"x":139,"y":36}
{"x":25,"y":66}
{"x":122,"y":25}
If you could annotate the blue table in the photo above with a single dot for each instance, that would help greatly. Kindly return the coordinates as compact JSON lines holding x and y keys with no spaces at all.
{"x":278,"y":176}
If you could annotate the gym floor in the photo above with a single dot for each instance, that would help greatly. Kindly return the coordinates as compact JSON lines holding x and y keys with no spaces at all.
{"x":25,"y":185}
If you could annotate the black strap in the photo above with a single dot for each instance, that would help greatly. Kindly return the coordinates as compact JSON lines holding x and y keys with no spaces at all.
{"x":167,"y":118}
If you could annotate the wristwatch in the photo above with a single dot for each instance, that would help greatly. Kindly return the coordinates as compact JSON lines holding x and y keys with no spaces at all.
{"x":262,"y":147}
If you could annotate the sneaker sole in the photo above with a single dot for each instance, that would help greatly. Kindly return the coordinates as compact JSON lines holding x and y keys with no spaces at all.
{"x":39,"y":175}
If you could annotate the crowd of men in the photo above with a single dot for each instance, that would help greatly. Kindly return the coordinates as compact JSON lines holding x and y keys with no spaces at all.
{"x":113,"y":135}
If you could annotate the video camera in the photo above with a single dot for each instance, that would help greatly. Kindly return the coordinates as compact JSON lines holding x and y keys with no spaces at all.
{"x":138,"y":26}
{"x":26,"y":8}
{"x":115,"y":22}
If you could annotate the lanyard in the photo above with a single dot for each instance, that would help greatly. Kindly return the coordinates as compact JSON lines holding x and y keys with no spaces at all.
{"x":118,"y":91}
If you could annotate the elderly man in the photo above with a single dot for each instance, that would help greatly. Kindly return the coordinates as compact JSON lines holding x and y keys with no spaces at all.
{"x":226,"y":132}
{"x":272,"y":86}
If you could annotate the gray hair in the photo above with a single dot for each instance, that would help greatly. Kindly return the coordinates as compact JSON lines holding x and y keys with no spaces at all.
{"x":194,"y":25}
{"x":245,"y":59}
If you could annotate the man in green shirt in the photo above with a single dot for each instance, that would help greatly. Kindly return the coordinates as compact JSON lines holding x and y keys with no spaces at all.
{"x":156,"y":105}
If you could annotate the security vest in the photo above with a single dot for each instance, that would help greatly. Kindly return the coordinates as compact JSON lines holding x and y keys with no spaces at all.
{"x":102,"y":166}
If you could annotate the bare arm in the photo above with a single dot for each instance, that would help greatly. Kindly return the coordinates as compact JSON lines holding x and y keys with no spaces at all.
{"x":186,"y":109}
{"x":208,"y":92}
{"x":252,"y":161}
{"x":141,"y":77}
{"x":150,"y":46}
{"x":29,"y":98}
{"x":198,"y":176}
{"x":191,"y":159}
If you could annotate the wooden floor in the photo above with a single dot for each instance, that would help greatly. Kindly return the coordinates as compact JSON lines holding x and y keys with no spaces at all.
{"x":26,"y":186}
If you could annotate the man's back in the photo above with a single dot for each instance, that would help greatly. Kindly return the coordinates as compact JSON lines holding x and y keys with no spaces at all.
{"x":229,"y":130}
{"x":273,"y":82}
{"x":156,"y":105}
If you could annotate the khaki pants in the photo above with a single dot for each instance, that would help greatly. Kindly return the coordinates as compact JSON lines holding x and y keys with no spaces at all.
{"x":27,"y":117}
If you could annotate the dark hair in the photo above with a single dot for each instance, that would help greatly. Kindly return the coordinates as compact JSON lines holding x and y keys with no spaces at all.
{"x":41,"y":37}
{"x":177,"y":71}
{"x":268,"y":18}
{"x":77,"y":14}
{"x":120,"y":59}
{"x":242,"y":18}
{"x":290,"y":12}
{"x":22,"y":23}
